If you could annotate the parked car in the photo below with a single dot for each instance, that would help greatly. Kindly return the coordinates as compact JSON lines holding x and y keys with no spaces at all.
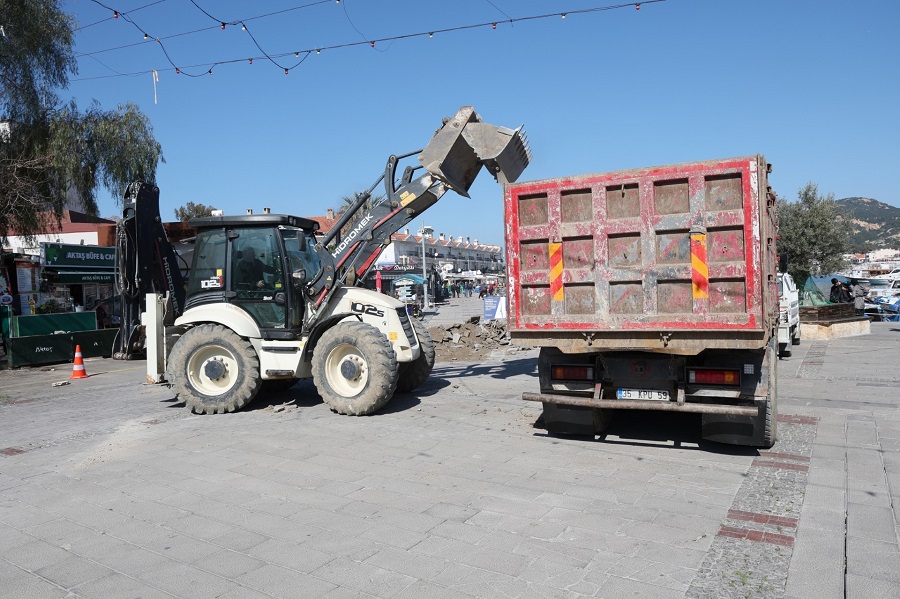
{"x":788,"y":314}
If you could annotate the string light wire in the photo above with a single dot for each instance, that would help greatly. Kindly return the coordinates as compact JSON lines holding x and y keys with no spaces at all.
{"x":306,"y":52}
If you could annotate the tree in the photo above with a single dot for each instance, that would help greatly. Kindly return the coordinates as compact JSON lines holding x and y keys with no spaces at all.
{"x":348,"y":202}
{"x":810,"y":232}
{"x":192,"y":210}
{"x":51,"y":151}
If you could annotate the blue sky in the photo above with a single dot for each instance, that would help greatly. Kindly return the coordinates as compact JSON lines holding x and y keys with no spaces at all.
{"x":814,"y":85}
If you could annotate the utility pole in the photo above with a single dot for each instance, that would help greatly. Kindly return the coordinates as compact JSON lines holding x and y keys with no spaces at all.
{"x":423,"y":231}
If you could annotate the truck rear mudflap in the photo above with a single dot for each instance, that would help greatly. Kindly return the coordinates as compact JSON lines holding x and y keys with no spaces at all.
{"x":465,"y":143}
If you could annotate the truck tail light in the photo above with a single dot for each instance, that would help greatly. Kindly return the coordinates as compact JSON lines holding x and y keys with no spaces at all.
{"x":572,"y":373}
{"x":698,"y":376}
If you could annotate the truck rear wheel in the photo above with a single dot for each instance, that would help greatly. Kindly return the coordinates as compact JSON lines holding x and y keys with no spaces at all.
{"x":770,"y":433}
{"x":214,"y":370}
{"x":413,"y":374}
{"x":354,"y":368}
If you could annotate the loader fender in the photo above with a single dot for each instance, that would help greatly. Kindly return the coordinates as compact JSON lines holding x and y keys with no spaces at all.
{"x":225,"y":314}
{"x":385,"y":313}
{"x":316,"y":332}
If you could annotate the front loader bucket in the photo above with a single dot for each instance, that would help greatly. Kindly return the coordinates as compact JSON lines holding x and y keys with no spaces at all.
{"x":465,"y":143}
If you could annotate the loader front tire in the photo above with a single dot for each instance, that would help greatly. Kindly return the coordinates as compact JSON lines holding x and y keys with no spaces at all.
{"x":413,"y":374}
{"x":214,"y":370}
{"x":354,"y":368}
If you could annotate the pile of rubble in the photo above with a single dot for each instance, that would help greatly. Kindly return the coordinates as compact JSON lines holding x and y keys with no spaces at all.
{"x":468,"y":340}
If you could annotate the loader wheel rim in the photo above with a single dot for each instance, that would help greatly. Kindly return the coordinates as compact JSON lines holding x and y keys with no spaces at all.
{"x":212,"y":370}
{"x":347,"y":370}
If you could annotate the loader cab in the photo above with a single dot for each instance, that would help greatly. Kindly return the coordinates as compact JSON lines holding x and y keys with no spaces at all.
{"x":259,"y":263}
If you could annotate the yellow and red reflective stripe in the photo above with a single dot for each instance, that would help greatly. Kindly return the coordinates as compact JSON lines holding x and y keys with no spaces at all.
{"x":556,"y":270}
{"x":699,"y":267}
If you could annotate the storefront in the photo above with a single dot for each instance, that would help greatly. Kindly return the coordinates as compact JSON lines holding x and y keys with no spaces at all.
{"x":77,"y":276}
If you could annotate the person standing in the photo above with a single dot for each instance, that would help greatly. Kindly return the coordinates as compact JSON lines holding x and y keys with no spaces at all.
{"x":859,"y":296}
{"x":839,"y":294}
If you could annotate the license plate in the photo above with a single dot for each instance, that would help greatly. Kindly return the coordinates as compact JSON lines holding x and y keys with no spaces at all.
{"x":651,"y":394}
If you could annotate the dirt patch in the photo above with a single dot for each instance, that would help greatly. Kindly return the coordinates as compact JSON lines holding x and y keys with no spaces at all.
{"x":472,"y":340}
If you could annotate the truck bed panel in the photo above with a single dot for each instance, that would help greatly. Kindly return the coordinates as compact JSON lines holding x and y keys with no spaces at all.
{"x":679,"y":249}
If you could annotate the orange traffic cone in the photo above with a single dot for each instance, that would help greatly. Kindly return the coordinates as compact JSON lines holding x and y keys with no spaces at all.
{"x":78,"y":371}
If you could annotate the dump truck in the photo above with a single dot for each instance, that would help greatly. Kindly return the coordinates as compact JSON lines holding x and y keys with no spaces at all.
{"x":269,"y":301}
{"x":650,"y":289}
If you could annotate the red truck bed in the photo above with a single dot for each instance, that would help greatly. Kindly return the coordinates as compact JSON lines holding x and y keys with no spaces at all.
{"x":677,"y":257}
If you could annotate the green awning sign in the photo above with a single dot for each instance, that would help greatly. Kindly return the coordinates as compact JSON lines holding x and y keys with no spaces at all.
{"x":71,"y":277}
{"x":79,"y":256}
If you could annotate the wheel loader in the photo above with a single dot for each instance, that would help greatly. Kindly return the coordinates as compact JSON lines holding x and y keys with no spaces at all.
{"x":268,"y":301}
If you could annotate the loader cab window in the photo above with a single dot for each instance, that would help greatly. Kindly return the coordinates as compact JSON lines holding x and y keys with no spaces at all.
{"x":298,"y":246}
{"x":257,"y":275}
{"x":208,"y":265}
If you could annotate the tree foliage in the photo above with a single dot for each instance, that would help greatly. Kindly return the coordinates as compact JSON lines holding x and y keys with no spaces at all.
{"x":52,"y":152}
{"x":349,"y":201}
{"x":811,"y":233}
{"x":192,"y":210}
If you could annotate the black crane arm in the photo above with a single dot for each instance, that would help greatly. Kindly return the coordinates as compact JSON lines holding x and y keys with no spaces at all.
{"x":146,"y":263}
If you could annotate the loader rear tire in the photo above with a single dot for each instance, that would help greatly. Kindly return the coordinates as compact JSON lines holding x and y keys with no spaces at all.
{"x":354,"y":368}
{"x":413,"y":374}
{"x":214,"y":370}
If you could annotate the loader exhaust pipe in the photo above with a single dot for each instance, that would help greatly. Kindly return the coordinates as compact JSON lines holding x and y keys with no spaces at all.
{"x":465,"y":143}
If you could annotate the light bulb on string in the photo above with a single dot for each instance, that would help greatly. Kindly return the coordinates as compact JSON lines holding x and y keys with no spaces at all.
{"x":297,"y":54}
{"x":223,"y":25}
{"x":318,"y":51}
{"x":250,"y":60}
{"x":115,"y":14}
{"x":431,"y":34}
{"x":178,"y":71}
{"x":286,"y":71}
{"x":637,"y":6}
{"x":373,"y":44}
{"x":145,"y":37}
{"x":493,"y":25}
{"x":564,"y":16}
{"x":243,"y":27}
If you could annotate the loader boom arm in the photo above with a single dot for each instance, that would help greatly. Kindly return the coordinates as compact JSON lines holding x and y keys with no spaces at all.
{"x":452,"y":160}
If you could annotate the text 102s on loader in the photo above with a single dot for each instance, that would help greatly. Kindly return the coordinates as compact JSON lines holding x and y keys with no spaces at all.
{"x":266,"y":303}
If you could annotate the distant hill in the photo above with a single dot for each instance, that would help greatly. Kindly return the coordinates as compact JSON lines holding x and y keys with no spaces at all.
{"x":871,"y":224}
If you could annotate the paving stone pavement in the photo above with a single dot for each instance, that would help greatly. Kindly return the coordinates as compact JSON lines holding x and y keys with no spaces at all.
{"x":110,"y":489}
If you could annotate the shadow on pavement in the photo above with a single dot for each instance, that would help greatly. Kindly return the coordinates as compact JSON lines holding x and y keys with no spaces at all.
{"x":497,"y":370}
{"x":636,"y":428}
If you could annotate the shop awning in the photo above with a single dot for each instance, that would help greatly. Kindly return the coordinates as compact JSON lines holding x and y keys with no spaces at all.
{"x":407,"y":279}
